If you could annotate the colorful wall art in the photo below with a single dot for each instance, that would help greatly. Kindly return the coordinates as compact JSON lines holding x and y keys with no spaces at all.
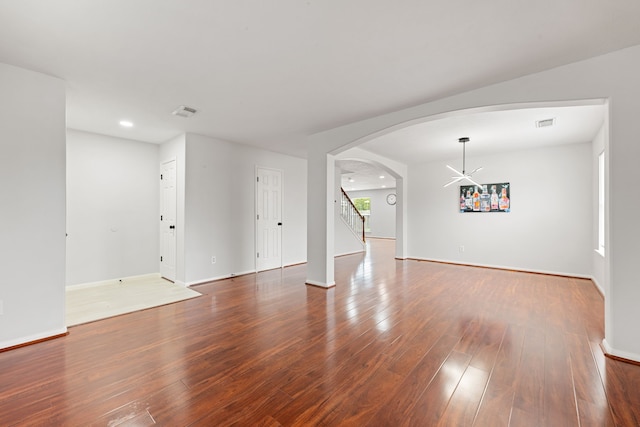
{"x":485,"y":198}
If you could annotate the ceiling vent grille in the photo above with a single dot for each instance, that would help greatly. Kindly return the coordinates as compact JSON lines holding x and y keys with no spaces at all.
{"x":184,"y":111}
{"x":545,"y":123}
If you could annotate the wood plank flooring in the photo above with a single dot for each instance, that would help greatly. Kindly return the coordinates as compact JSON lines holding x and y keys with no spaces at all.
{"x":395,"y":343}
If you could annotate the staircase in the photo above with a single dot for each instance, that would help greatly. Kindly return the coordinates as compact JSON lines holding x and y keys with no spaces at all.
{"x":351,"y":215}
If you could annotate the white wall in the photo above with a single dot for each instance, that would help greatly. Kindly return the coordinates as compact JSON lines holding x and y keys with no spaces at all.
{"x":32,"y":248}
{"x":208,"y":204}
{"x":220,"y":207}
{"x":549,"y":228}
{"x":294,"y":209}
{"x":346,"y":242}
{"x":382,"y":219}
{"x":112,"y":208}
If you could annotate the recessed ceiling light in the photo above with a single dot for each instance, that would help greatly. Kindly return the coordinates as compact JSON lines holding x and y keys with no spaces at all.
{"x":126,"y":124}
{"x":384,"y":186}
{"x":381,"y":176}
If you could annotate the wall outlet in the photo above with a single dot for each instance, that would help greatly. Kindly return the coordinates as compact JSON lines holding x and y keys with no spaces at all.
{"x":213,"y":260}
{"x":461,"y":249}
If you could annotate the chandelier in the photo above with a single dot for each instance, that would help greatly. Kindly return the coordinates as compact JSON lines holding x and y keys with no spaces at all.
{"x":463,"y":175}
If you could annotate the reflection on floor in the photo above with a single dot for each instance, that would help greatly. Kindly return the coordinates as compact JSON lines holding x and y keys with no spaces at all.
{"x":86,"y":304}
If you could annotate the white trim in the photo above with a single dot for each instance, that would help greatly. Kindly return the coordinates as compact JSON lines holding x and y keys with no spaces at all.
{"x":32,"y":338}
{"x":291,"y":264}
{"x":242,"y":273}
{"x":501,"y":267}
{"x":619,"y":353}
{"x":599,"y":252}
{"x":350,"y":253}
{"x":321,"y":285}
{"x":601,"y":202}
{"x":600,"y":288}
{"x":112,"y":281}
{"x":213,"y":279}
{"x":203,"y":281}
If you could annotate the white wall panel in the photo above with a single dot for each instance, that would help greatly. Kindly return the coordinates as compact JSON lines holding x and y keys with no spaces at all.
{"x":549,"y":228}
{"x":112,"y":208}
{"x":32,"y":248}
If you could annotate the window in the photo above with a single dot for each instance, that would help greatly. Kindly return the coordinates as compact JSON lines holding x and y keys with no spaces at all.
{"x":363,"y":204}
{"x":601,"y":203}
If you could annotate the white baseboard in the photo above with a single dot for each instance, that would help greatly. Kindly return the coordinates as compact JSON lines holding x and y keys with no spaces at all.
{"x":33,"y":338}
{"x":350,"y":253}
{"x":619,"y":353}
{"x":320,"y":284}
{"x":503,"y":267}
{"x":242,"y":273}
{"x":213,"y":279}
{"x":114,"y":281}
{"x":600,"y":288}
{"x":291,"y":264}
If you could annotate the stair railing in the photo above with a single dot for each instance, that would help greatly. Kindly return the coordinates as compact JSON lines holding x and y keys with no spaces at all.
{"x":351,"y":215}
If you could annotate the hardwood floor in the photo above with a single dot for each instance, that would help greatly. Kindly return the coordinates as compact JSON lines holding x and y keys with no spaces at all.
{"x":395,"y":343}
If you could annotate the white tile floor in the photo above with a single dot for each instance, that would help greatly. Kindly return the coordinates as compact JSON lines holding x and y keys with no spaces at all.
{"x":89,"y":303}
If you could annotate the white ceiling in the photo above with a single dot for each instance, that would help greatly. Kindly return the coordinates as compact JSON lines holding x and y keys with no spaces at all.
{"x":489,"y":132}
{"x":358,"y":175}
{"x":268,"y":73}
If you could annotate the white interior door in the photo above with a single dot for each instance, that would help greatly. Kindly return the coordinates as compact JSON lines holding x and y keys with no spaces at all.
{"x":168,"y":208}
{"x":268,"y":218}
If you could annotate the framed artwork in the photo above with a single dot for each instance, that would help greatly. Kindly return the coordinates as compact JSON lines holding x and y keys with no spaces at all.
{"x":494,"y":197}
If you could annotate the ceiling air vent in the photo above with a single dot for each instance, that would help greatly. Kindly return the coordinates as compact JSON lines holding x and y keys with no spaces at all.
{"x":184,"y":111}
{"x":545,"y":123}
